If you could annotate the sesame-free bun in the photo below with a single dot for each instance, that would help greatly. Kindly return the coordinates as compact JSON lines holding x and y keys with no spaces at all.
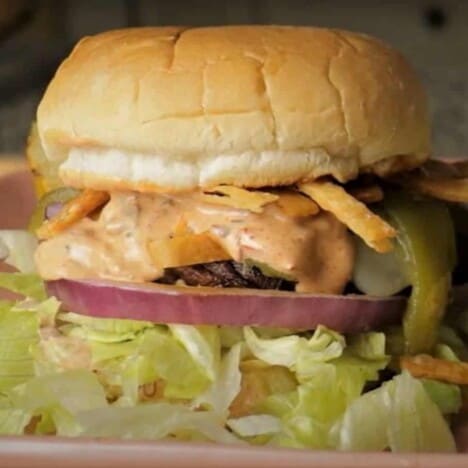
{"x":174,"y":109}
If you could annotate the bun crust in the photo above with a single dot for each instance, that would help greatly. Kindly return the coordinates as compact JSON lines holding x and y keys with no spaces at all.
{"x":273,"y":104}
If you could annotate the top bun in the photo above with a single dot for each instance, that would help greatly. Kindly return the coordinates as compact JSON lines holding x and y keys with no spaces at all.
{"x":176,"y":109}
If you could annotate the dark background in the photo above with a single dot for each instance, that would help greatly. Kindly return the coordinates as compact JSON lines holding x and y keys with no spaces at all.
{"x":36,"y":35}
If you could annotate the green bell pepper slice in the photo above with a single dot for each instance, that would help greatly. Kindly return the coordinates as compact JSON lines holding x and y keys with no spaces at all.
{"x":426,"y":241}
{"x":60,"y":195}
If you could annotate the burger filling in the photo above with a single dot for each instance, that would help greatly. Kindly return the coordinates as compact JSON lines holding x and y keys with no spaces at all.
{"x":202,"y":239}
{"x":81,"y":371}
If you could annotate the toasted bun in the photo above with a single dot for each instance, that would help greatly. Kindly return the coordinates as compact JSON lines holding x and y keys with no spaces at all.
{"x":174,"y":109}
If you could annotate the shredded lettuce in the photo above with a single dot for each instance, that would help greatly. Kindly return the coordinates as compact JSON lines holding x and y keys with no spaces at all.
{"x":118,"y":327}
{"x":75,"y":391}
{"x":369,"y":346}
{"x":278,"y":351}
{"x":293,"y":350}
{"x":132,"y":373}
{"x":154,"y":355}
{"x":13,"y":421}
{"x":46,"y":310}
{"x":183,"y":376}
{"x":451,"y":345}
{"x":57,"y":353}
{"x":19,"y":329}
{"x":230,"y":336}
{"x":399,"y":416}
{"x":102,"y":330}
{"x":326,"y":389}
{"x":309,"y":412}
{"x":104,"y":352}
{"x":224,"y":389}
{"x":152,"y":421}
{"x":443,"y":351}
{"x":202,"y":343}
{"x":55,"y":399}
{"x":17,"y":249}
{"x":27,"y":284}
{"x":255,"y":425}
{"x":447,"y":397}
{"x":98,"y":336}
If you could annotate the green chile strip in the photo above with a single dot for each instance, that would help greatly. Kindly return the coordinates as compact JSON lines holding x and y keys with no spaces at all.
{"x":427,"y":240}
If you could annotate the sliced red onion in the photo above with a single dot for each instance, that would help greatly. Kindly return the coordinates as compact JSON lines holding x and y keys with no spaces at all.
{"x":52,"y":210}
{"x":225,"y":306}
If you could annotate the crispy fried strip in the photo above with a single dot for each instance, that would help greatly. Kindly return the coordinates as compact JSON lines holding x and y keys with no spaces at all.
{"x":181,"y":228}
{"x":368,"y":194}
{"x":240,"y":198}
{"x":151,"y":391}
{"x":77,"y":208}
{"x":296,"y":205}
{"x":426,"y":366}
{"x":449,"y":189}
{"x":188,"y":249}
{"x":438,"y":168}
{"x":351,"y":212}
{"x":258,"y":382}
{"x":446,"y":180}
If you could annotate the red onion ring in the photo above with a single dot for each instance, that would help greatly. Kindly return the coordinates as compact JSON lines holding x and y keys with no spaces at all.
{"x":225,"y":306}
{"x":52,"y":210}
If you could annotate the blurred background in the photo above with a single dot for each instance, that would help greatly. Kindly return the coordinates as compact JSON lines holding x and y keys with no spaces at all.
{"x":36,"y":35}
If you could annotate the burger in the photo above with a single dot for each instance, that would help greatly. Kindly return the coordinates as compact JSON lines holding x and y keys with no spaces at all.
{"x":241,"y":239}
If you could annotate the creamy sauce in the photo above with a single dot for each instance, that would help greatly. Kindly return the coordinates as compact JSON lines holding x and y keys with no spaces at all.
{"x":317,"y":251}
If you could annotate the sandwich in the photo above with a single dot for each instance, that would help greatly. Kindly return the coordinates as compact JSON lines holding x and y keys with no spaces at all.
{"x":241,"y":238}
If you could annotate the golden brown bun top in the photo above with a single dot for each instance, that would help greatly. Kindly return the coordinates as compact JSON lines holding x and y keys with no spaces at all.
{"x":206,"y":96}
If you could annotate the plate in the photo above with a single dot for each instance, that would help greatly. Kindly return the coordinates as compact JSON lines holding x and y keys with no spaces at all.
{"x":28,"y":452}
{"x":16,"y":204}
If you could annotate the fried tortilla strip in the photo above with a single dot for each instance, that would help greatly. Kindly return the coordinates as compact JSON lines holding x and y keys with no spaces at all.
{"x":259,"y":381}
{"x":368,"y":194}
{"x":425,"y":366}
{"x":184,"y":250}
{"x":370,"y":227}
{"x":181,"y":228}
{"x":151,"y":391}
{"x":444,"y":169}
{"x":74,"y":210}
{"x":448,"y":189}
{"x":296,"y":205}
{"x":240,"y":198}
